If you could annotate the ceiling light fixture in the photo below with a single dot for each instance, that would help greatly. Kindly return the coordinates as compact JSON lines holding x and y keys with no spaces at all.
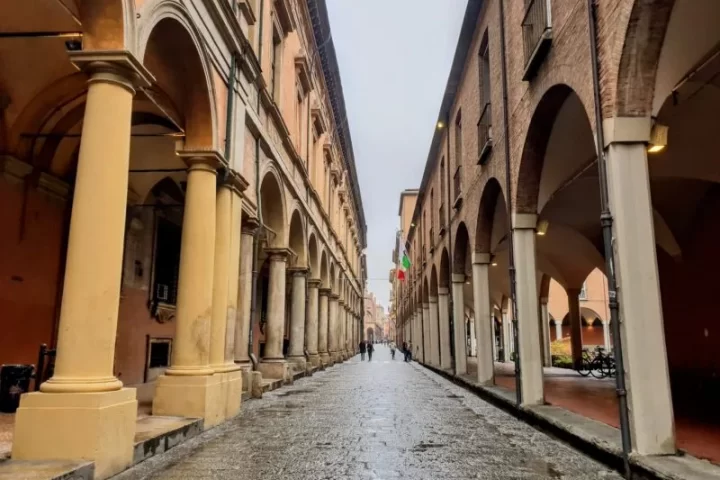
{"x":658,"y":138}
{"x":542,"y":227}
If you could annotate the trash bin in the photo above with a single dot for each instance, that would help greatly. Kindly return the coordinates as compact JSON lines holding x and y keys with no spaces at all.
{"x":14,"y":381}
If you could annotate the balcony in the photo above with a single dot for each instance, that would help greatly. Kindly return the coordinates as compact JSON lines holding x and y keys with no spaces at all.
{"x":457,"y":188}
{"x":484,"y":134}
{"x":537,"y":35}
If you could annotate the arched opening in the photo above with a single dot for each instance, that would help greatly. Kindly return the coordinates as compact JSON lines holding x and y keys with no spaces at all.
{"x":273,"y":211}
{"x":296,"y":241}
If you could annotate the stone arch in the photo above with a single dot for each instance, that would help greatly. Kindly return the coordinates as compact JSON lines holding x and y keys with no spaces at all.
{"x":313,"y":256}
{"x":425,"y":291}
{"x":486,"y":216}
{"x":588,"y":315}
{"x":108,"y":25}
{"x":460,"y":250}
{"x":170,"y":47}
{"x":444,"y":275}
{"x":272,"y":210}
{"x":296,"y":240}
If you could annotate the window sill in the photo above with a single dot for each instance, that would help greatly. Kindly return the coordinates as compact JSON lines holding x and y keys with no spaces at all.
{"x":485,"y":152}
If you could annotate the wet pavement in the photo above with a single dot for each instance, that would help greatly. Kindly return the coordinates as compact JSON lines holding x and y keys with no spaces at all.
{"x":371,"y":420}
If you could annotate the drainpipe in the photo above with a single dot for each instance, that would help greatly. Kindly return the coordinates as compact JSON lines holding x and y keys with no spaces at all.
{"x":256,"y":237}
{"x":606,"y":220}
{"x":450,"y":244}
{"x":509,"y":202}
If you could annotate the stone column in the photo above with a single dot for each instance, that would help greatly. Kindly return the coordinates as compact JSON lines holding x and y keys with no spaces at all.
{"x":545,"y":324}
{"x":558,"y":330}
{"x":340,"y":309}
{"x":83,"y":401}
{"x":344,"y":331}
{"x":641,"y":315}
{"x":444,"y":327}
{"x":434,"y":331}
{"x":606,"y":336}
{"x":273,"y":364}
{"x":333,"y":327}
{"x":426,"y":332}
{"x":296,"y":352}
{"x":419,"y":347}
{"x":225,"y":292}
{"x":483,"y":320}
{"x":242,"y":329}
{"x":508,"y":340}
{"x":323,"y":327}
{"x":458,"y":281}
{"x":575,"y":325}
{"x":311,"y":326}
{"x":531,"y":373}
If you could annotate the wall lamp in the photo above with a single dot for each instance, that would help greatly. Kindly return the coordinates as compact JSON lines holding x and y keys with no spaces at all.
{"x":658,"y":138}
{"x":542,"y":227}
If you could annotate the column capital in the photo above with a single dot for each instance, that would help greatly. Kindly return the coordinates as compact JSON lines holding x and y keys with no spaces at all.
{"x":458,"y":278}
{"x":524,"y":221}
{"x":425,"y":305}
{"x":432,"y":299}
{"x":325,"y":292}
{"x":481,"y":258}
{"x":298,"y":271}
{"x":278,"y":254}
{"x":249,"y":225}
{"x":443,"y":291}
{"x":334,"y":296}
{"x":341,"y":302}
{"x":314,"y":283}
{"x":210,"y":158}
{"x":626,"y":130}
{"x":114,"y":66}
{"x":234,"y":181}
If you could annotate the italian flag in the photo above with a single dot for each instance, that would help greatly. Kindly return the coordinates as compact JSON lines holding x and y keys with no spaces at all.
{"x":404,"y":263}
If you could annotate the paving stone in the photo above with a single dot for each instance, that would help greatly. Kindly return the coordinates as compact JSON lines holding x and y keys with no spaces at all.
{"x":372,"y":420}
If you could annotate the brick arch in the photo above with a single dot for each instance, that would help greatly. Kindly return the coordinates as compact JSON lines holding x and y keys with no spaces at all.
{"x":460,"y":249}
{"x":444,"y":274}
{"x":527,"y":185}
{"x":486,"y":215}
{"x":639,"y":55}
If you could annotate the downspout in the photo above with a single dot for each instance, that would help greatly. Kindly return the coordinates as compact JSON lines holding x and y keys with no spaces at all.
{"x":451,"y":311}
{"x":606,"y":221}
{"x":508,"y":189}
{"x":256,"y":236}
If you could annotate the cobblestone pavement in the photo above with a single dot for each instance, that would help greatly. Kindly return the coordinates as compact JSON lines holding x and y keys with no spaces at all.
{"x":372,"y":420}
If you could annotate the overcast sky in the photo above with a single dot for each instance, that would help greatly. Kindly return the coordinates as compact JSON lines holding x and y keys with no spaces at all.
{"x":394,"y":57}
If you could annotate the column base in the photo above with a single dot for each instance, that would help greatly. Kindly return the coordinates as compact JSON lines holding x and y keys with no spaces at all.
{"x":325,"y":359}
{"x":191,"y":396}
{"x":246,"y":370}
{"x":233,"y":393}
{"x":275,"y":369}
{"x":71,"y":426}
{"x":298,"y":362}
{"x":314,"y":360}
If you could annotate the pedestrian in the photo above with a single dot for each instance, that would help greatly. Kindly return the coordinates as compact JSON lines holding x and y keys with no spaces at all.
{"x":405,"y":351}
{"x":362,"y":351}
{"x":410,"y":352}
{"x":370,"y":350}
{"x":392,"y":350}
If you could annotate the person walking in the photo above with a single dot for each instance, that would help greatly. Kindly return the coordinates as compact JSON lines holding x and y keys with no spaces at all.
{"x":370,"y":350}
{"x":362,"y":351}
{"x":392,"y":350}
{"x":405,"y":351}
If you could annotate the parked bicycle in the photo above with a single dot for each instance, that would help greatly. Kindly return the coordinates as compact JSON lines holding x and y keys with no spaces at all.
{"x":599,"y":364}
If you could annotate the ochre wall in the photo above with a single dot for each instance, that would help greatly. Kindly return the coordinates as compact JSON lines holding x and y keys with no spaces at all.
{"x":30,"y":265}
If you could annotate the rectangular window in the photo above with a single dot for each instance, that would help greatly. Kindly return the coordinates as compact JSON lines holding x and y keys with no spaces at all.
{"x":457,"y":182}
{"x":442,"y":179}
{"x":458,"y":139}
{"x":275,"y":65}
{"x":432,"y":212}
{"x":299,"y":117}
{"x":485,"y":121}
{"x":537,"y":35}
{"x":167,"y":262}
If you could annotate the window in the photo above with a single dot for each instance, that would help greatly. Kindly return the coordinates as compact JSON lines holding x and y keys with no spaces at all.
{"x":432,"y":216}
{"x":167,"y":262}
{"x":442,"y":179}
{"x":537,"y":35}
{"x":457,"y":184}
{"x":299,"y":117}
{"x":583,"y":292}
{"x":275,"y":65}
{"x":458,"y":139}
{"x":159,"y":355}
{"x":485,"y":121}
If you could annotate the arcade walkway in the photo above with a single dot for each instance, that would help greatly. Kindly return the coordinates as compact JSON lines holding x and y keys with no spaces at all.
{"x":385,"y":419}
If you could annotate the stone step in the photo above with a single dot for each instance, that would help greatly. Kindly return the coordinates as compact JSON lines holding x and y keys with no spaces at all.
{"x":157,"y":434}
{"x":46,"y":470}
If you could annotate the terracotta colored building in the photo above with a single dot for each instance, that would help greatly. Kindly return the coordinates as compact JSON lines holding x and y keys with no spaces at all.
{"x":553,"y":117}
{"x":178,"y":192}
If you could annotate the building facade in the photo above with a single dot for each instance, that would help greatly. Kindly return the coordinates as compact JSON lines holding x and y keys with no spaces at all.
{"x":181,"y":208}
{"x":557,"y":115}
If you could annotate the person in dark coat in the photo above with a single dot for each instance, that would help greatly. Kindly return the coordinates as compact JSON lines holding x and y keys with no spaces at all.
{"x":370,"y":350}
{"x":362,"y":350}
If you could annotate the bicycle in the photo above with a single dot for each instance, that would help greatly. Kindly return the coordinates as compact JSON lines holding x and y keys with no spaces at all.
{"x":585,"y":363}
{"x":603,"y":365}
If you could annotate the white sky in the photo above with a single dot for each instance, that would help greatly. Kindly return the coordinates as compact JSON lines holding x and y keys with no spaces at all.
{"x":394,"y":58}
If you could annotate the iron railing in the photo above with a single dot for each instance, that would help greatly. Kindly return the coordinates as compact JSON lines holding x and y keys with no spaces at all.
{"x":537,"y":34}
{"x":484,"y":133}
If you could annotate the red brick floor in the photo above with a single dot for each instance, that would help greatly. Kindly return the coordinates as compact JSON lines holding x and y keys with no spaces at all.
{"x":596,"y":399}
